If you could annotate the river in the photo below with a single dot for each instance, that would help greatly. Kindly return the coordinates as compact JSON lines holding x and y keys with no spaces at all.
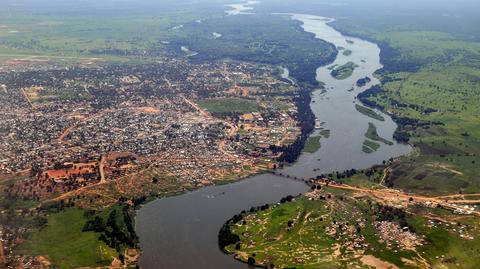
{"x":335,"y":108}
{"x":181,"y":232}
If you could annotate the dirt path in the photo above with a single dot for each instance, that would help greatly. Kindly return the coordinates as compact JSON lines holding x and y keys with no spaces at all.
{"x":196,"y":107}
{"x":458,"y":196}
{"x":62,"y":136}
{"x":375,"y":262}
{"x":386,"y":173}
{"x":68,"y":130}
{"x":398,"y":197}
{"x":2,"y":254}
{"x":26,"y":97}
{"x":101,"y":168}
{"x":447,"y":168}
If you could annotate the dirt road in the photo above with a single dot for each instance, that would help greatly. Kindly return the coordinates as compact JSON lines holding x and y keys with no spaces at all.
{"x":399,"y":197}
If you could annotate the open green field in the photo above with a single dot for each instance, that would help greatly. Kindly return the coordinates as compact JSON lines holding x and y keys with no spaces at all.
{"x":228,"y":105}
{"x":324,"y":233}
{"x":63,"y":241}
{"x":99,"y":31}
{"x":444,"y":99}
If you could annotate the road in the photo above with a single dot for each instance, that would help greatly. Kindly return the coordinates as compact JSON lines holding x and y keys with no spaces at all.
{"x":397,"y":196}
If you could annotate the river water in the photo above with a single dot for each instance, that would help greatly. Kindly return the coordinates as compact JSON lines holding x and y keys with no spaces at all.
{"x":181,"y":232}
{"x":335,"y":108}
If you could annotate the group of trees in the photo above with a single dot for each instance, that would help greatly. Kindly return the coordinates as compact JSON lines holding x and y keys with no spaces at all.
{"x":307,"y":124}
{"x":225,"y":235}
{"x":117,"y":231}
{"x":392,"y":214}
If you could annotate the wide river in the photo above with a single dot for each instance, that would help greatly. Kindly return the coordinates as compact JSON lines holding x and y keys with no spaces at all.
{"x":181,"y":232}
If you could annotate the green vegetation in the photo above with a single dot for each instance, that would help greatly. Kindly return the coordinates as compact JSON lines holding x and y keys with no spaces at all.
{"x":431,"y":82}
{"x":228,"y":105}
{"x":270,"y":39}
{"x":64,"y":242}
{"x":321,"y":234}
{"x":373,"y":135}
{"x":115,"y":227}
{"x":71,"y":31}
{"x":343,"y":71}
{"x":369,"y":112}
{"x":370,"y":146}
{"x":312,"y":144}
{"x":438,"y":109}
{"x":325,"y":133}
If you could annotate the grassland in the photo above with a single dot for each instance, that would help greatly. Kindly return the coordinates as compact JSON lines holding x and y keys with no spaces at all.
{"x":64,"y":242}
{"x":228,"y":105}
{"x":313,"y":144}
{"x":442,"y":100}
{"x":369,"y":112}
{"x":324,"y":234}
{"x":85,"y":32}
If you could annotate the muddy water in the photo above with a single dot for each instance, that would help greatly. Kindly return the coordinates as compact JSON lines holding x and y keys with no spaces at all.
{"x":181,"y":232}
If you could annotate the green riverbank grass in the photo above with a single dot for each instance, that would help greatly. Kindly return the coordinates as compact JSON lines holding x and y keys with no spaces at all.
{"x":317,"y":234}
{"x":64,"y":242}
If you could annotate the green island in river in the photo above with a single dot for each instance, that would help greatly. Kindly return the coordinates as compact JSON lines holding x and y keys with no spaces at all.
{"x":369,"y":112}
{"x":373,"y":135}
{"x":343,"y":71}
